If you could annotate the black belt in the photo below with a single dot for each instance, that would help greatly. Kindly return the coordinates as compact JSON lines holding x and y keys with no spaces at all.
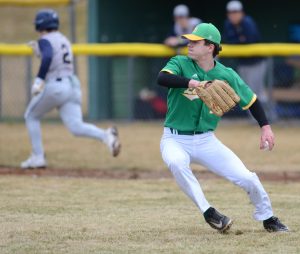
{"x":174,"y":131}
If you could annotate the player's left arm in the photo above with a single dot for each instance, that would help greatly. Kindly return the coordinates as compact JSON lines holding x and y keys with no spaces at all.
{"x":250,"y":101}
{"x":267,"y":134}
{"x":46,"y":58}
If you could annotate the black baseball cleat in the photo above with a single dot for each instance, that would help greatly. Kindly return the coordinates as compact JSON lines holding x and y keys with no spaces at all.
{"x":273,"y":224}
{"x":217,"y":220}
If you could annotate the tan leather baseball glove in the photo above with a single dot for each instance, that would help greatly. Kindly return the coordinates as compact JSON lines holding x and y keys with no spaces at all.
{"x":218,"y":96}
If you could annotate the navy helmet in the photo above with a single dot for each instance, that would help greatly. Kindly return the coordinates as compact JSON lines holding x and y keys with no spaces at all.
{"x":46,"y":19}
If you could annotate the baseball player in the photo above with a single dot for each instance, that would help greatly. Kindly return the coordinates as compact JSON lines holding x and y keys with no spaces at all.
{"x":56,"y":86}
{"x":189,"y":137}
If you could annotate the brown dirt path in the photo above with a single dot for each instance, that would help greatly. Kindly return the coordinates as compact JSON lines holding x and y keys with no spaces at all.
{"x":287,"y":176}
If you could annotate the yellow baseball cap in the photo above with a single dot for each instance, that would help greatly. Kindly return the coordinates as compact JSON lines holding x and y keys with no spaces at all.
{"x":204,"y":31}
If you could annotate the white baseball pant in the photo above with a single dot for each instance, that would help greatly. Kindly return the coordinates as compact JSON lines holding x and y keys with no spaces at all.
{"x":178,"y":151}
{"x":65,"y":95}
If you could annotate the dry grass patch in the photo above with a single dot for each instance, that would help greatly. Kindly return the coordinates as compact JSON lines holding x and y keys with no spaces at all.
{"x":65,"y":215}
{"x":141,"y":147}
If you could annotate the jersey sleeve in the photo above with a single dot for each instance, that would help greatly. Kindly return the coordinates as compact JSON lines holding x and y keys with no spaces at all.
{"x":46,"y":57}
{"x":248,"y":97}
{"x":173,"y":66}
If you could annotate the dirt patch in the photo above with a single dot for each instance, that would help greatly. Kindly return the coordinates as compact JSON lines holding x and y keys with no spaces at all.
{"x":293,"y":176}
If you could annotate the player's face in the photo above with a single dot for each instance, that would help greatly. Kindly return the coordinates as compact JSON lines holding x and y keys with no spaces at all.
{"x":182,"y":21}
{"x":198,"y":49}
{"x":235,"y":17}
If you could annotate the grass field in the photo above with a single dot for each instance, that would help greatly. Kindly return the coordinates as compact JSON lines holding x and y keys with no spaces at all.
{"x":86,"y":215}
{"x":71,"y":215}
{"x":141,"y":147}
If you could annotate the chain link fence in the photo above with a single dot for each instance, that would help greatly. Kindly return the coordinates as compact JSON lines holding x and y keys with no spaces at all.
{"x":17,"y":72}
{"x":13,"y":86}
{"x":286,"y":86}
{"x":16,"y":75}
{"x":129,"y":89}
{"x":134,"y":93}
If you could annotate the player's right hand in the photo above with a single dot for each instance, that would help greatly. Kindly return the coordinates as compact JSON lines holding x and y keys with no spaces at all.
{"x":37,"y":87}
{"x":195,"y":83}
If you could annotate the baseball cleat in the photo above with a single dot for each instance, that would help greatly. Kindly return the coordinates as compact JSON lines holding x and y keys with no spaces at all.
{"x":34,"y":161}
{"x":217,"y":220}
{"x":113,"y":141}
{"x":273,"y":224}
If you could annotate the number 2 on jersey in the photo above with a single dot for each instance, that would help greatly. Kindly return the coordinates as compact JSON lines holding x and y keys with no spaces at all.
{"x":66,"y":54}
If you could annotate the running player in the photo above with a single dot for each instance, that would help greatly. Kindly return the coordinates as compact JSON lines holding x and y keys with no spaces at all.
{"x":189,"y":129}
{"x":56,"y":86}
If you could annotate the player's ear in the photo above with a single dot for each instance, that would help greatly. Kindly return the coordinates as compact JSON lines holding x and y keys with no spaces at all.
{"x":212,"y":47}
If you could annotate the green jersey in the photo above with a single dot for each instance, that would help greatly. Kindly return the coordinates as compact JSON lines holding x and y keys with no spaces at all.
{"x":186,"y":112}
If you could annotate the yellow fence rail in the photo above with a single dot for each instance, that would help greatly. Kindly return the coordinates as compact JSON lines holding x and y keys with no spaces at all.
{"x":33,"y":3}
{"x":159,"y":50}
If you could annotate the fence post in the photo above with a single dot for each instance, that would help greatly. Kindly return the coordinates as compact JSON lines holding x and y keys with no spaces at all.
{"x":130,"y":90}
{"x":98,"y":69}
{"x":271,"y":109}
{"x":72,"y":18}
{"x":0,"y":87}
{"x":28,"y":80}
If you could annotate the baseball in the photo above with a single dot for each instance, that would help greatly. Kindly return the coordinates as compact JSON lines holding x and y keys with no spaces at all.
{"x":266,"y":146}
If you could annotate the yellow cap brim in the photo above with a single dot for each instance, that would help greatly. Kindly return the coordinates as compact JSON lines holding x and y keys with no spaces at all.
{"x":192,"y":37}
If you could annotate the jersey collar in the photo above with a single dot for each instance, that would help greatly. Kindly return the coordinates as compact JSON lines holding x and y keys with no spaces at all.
{"x":206,"y":72}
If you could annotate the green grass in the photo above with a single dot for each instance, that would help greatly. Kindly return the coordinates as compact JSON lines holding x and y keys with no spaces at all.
{"x":66,"y":215}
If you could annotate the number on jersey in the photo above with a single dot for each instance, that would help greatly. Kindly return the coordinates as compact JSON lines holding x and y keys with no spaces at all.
{"x":66,"y":54}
